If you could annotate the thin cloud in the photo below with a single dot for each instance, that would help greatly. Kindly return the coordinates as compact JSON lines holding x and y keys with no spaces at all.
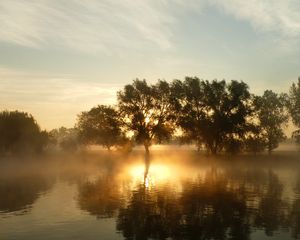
{"x":85,"y":25}
{"x":280,"y":16}
{"x":109,"y":27}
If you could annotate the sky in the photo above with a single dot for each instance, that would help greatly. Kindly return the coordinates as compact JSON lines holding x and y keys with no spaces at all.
{"x":61,"y":57}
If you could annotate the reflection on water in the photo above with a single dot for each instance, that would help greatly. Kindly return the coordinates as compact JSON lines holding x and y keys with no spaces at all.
{"x":18,"y":194}
{"x":164,"y":200}
{"x":101,"y":197}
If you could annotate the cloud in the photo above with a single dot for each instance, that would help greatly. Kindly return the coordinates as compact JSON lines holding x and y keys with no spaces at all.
{"x":280,"y":16}
{"x":109,"y":26}
{"x":89,"y":25}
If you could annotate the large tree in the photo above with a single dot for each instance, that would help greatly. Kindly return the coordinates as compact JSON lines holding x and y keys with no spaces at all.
{"x":19,"y":132}
{"x":102,"y":126}
{"x":294,"y":107}
{"x":272,"y":115}
{"x":214,"y":113}
{"x":146,"y":111}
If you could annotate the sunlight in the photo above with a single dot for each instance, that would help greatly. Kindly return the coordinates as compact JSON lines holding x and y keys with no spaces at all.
{"x":147,"y":120}
{"x":157,"y":174}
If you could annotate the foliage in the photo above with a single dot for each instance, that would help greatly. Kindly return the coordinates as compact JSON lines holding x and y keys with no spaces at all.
{"x":65,"y":138}
{"x":255,"y":144}
{"x":270,"y":110}
{"x":20,"y":133}
{"x":214,"y":113}
{"x":146,"y":111}
{"x":101,"y":125}
{"x":294,"y":107}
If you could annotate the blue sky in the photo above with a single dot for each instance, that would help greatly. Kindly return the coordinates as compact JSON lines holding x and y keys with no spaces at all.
{"x":62,"y":57}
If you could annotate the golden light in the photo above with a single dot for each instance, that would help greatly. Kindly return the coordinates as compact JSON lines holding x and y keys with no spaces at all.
{"x":147,"y":120}
{"x":157,"y":173}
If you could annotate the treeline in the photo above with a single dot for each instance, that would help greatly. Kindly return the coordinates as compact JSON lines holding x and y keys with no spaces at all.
{"x":214,"y":115}
{"x":20,"y":134}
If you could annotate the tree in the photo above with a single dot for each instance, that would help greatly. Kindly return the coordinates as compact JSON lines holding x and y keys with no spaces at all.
{"x":19,"y":132}
{"x":190,"y":110}
{"x":66,"y":139}
{"x":271,"y":114}
{"x":294,"y":107}
{"x":146,"y":111}
{"x":214,"y":113}
{"x":101,"y":125}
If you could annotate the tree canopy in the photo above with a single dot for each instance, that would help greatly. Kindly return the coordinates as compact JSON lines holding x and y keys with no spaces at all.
{"x":146,"y":111}
{"x":20,"y":133}
{"x":271,"y":113}
{"x":294,"y":107}
{"x":101,"y":125}
{"x":214,"y":113}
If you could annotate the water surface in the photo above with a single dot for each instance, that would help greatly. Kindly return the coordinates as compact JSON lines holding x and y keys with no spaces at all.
{"x":184,"y":196}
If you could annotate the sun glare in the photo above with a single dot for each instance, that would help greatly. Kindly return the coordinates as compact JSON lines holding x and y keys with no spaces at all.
{"x":157,"y":173}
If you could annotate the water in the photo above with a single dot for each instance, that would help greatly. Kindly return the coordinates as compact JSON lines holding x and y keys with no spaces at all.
{"x":184,"y":196}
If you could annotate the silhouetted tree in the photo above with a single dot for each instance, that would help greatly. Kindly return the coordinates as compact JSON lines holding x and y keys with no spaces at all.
{"x":271,"y":114}
{"x":101,"y":125}
{"x":146,"y":111}
{"x":190,"y":110}
{"x":255,"y":144}
{"x":294,"y":107}
{"x":215,"y":113}
{"x":19,"y":132}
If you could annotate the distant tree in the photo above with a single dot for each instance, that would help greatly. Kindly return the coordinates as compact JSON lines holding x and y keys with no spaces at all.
{"x":19,"y":132}
{"x":102,"y":126}
{"x":146,"y":111}
{"x":294,"y":107}
{"x":66,"y":139}
{"x":215,"y":113}
{"x":271,"y":114}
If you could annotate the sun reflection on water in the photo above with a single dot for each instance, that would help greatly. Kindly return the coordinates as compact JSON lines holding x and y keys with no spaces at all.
{"x":157,"y":173}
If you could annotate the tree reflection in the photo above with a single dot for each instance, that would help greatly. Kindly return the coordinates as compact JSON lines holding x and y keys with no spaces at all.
{"x":222,"y":204}
{"x":101,"y":197}
{"x":21,"y":192}
{"x":295,"y":211}
{"x":205,"y":210}
{"x":272,"y":210}
{"x":212,"y":209}
{"x":150,"y":214}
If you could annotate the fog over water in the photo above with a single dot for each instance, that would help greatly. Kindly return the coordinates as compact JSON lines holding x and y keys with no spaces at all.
{"x":185,"y":195}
